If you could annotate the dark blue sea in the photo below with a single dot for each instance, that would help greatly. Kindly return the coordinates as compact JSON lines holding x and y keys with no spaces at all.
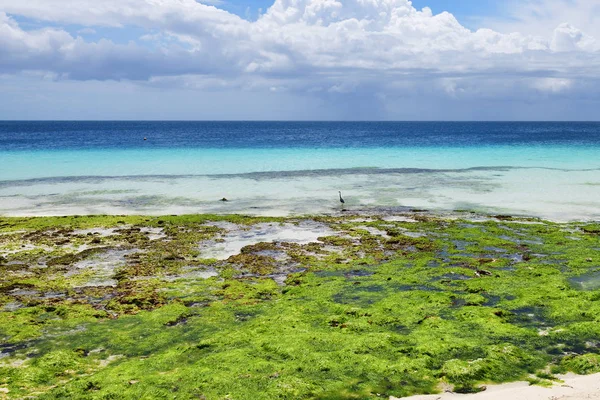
{"x":46,"y":135}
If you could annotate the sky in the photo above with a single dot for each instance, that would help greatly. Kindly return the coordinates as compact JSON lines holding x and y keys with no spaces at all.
{"x":300,"y":59}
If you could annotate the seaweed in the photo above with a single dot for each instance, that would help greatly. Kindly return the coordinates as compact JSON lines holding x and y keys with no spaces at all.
{"x":380,"y":308}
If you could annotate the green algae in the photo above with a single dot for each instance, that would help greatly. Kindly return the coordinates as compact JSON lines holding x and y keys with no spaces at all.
{"x":380,"y":308}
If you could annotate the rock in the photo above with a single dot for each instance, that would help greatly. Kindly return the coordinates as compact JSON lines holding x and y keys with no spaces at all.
{"x":224,"y":199}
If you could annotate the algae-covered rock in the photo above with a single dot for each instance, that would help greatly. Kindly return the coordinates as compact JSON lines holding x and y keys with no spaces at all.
{"x":584,"y":364}
{"x":376,"y":307}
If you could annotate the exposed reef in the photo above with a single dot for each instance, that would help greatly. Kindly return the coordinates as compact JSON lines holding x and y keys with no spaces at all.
{"x":329,"y":307}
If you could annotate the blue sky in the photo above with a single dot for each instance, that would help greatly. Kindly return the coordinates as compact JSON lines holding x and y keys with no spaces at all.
{"x":468,"y":12}
{"x":300,"y":59}
{"x":465,"y":10}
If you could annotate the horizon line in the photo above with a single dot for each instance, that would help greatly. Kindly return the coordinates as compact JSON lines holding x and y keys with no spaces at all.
{"x":303,"y":120}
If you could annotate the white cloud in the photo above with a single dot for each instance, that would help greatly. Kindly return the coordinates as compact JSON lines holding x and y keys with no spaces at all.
{"x":552,"y":85}
{"x":376,"y":48}
{"x":569,"y":38}
{"x":541,"y":17}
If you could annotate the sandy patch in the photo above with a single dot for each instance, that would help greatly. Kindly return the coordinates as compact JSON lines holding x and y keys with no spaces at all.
{"x":575,"y":387}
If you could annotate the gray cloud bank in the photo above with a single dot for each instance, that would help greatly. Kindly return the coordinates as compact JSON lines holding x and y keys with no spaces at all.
{"x":370,"y":52}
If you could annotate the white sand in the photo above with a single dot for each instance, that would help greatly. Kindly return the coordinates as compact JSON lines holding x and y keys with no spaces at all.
{"x":574,"y":387}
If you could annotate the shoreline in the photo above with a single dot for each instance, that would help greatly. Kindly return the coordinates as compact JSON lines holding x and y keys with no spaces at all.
{"x":354,"y":212}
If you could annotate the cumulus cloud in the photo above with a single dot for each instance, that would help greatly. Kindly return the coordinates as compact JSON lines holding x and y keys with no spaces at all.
{"x":569,"y":38}
{"x":376,"y":48}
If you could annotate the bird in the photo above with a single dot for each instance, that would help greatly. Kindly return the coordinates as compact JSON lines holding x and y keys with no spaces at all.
{"x":342,"y":200}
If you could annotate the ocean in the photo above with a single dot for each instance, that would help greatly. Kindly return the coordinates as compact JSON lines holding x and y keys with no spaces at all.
{"x":547,"y":170}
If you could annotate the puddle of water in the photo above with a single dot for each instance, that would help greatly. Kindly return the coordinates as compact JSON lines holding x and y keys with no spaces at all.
{"x":23,"y":292}
{"x":102,"y":232}
{"x":458,"y":302}
{"x":461,"y":244}
{"x":508,"y":238}
{"x":374,"y":231}
{"x":348,"y":274}
{"x":244,"y":316}
{"x":280,"y":256}
{"x":494,"y":249}
{"x":530,"y":317}
{"x":24,"y":247}
{"x":554,"y":261}
{"x":468,"y":226}
{"x":399,"y":218}
{"x":154,"y":233}
{"x":491,"y":300}
{"x":509,"y":268}
{"x":238,"y":238}
{"x":7,"y":350}
{"x":15,"y":264}
{"x":361,"y":220}
{"x":517,"y":258}
{"x":282,"y":277}
{"x":588,"y":281}
{"x":414,"y":235}
{"x":13,"y":306}
{"x":102,"y":266}
{"x":361,"y":294}
{"x":451,"y":277}
{"x":532,"y":241}
{"x":192,"y":273}
{"x":53,"y":295}
{"x":410,"y":288}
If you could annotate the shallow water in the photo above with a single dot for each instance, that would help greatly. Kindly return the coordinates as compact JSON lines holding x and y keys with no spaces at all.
{"x":239,"y":237}
{"x":545,"y":170}
{"x":588,"y":281}
{"x":100,"y":268}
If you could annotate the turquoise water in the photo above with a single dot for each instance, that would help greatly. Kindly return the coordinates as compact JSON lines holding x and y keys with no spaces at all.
{"x":544,"y":169}
{"x":73,"y":163}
